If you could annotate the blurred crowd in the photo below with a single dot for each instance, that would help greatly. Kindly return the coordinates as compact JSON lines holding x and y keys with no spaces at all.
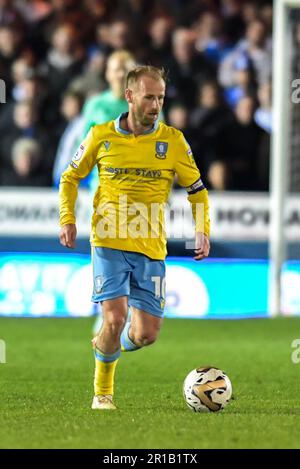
{"x":64,"y":63}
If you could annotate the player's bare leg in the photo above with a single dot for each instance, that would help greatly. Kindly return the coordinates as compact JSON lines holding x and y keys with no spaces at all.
{"x":114,"y":318}
{"x":142,"y":330}
{"x":144,"y":327}
{"x":107,"y":351}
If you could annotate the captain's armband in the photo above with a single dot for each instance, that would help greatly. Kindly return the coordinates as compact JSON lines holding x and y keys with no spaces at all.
{"x":196,"y":187}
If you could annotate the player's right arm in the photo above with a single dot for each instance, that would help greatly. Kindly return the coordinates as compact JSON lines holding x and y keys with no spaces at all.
{"x":81,"y":165}
{"x":67,"y":235}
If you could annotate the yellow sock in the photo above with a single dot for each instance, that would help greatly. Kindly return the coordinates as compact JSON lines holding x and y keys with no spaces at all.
{"x":105,"y":366}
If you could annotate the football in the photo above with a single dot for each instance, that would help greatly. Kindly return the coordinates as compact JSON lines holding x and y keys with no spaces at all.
{"x":207,"y":389}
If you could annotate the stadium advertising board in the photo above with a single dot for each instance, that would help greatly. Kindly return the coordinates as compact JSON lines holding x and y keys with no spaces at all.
{"x":60,"y":285}
{"x":234,"y":216}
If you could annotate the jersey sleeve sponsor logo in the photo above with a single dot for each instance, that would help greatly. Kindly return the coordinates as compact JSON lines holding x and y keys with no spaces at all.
{"x":74,"y":165}
{"x":79,"y":153}
{"x":161,"y":149}
{"x":189,"y":151}
{"x":190,"y":155}
{"x":196,"y":187}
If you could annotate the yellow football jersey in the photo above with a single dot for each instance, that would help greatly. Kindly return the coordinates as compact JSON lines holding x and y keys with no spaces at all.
{"x":135,"y":178}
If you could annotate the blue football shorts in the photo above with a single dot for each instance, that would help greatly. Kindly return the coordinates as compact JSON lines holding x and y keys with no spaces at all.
{"x":124,"y":273}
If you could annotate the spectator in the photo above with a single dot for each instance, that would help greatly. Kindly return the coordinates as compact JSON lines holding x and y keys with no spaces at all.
{"x":22,"y":68}
{"x":158,"y":50}
{"x":210,"y":39}
{"x":250,"y":12}
{"x":10,"y":48}
{"x":50,"y":46}
{"x":208,"y":120}
{"x":9,"y":14}
{"x":64,"y":61}
{"x":102,"y":39}
{"x":25,"y":125}
{"x":243,"y":79}
{"x":120,"y":35}
{"x":30,"y":87}
{"x":178,"y":117}
{"x":71,"y":110}
{"x":33,"y":11}
{"x":26,"y":165}
{"x":240,"y":151}
{"x":70,"y":12}
{"x":186,"y":68}
{"x":110,"y":103}
{"x":266,"y":14}
{"x":263,"y":115}
{"x":256,"y":47}
{"x":92,"y":81}
{"x":100,"y":10}
{"x":233,"y":23}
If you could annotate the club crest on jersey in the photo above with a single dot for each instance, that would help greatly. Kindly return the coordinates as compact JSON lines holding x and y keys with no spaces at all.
{"x":161,"y":149}
{"x":106,"y":144}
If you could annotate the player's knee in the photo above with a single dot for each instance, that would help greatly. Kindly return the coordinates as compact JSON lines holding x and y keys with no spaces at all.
{"x":142,"y":340}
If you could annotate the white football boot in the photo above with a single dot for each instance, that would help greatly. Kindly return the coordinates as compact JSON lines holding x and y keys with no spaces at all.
{"x":103,"y":402}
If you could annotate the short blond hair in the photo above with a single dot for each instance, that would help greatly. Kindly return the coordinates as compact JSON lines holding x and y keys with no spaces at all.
{"x":122,"y":55}
{"x":135,"y":74}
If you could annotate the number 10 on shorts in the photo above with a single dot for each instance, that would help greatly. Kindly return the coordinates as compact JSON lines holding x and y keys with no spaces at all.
{"x":160,"y":286}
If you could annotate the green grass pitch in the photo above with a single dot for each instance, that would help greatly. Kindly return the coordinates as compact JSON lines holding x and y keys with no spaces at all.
{"x":46,"y":387}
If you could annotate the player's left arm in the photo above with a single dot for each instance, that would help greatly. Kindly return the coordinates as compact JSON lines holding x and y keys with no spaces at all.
{"x":190,"y":178}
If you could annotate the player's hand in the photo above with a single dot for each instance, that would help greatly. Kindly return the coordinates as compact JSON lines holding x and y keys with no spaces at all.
{"x":202,"y":246}
{"x":67,"y":235}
